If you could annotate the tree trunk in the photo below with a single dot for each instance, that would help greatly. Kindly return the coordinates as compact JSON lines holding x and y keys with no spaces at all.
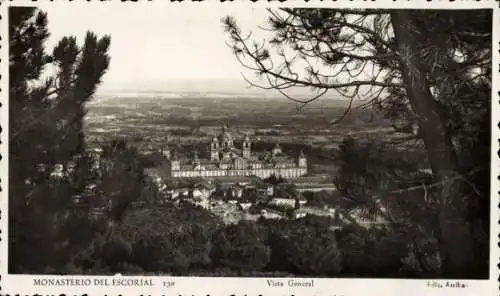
{"x":455,"y":241}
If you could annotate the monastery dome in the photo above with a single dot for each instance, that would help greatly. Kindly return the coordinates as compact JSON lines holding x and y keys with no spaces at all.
{"x":226,"y":135}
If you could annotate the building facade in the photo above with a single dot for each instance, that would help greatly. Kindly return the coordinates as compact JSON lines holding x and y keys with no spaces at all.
{"x":228,"y":160}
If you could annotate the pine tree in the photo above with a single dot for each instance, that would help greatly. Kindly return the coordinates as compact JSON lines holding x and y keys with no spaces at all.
{"x":431,"y":70}
{"x":48,"y":165}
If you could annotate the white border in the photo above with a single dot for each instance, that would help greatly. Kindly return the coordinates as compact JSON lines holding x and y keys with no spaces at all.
{"x":23,"y":284}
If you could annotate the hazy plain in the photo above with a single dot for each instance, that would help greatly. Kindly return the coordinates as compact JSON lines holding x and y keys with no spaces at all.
{"x":161,"y":120}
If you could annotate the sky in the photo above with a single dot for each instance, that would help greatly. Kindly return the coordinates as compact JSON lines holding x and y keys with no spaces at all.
{"x":175,"y":48}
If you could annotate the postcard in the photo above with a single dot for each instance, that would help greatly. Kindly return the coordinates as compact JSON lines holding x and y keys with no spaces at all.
{"x":246,"y":147}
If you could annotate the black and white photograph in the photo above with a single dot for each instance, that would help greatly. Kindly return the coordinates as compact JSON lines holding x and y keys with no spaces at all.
{"x":248,"y":141}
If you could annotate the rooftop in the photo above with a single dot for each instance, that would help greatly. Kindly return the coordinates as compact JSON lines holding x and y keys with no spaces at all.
{"x":315,"y":179}
{"x":237,"y":179}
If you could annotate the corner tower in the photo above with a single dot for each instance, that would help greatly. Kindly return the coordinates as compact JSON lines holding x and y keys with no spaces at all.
{"x":246,"y":147}
{"x":302,"y":160}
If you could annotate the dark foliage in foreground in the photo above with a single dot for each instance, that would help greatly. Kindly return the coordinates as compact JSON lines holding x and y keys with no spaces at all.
{"x":181,"y":239}
{"x":48,"y":163}
{"x":429,"y":72}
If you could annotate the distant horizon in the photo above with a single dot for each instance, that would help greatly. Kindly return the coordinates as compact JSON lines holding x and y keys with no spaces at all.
{"x":187,"y":85}
{"x":204,"y":86}
{"x":165,"y":58}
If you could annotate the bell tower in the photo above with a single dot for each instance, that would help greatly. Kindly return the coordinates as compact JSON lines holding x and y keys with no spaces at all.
{"x":214,"y":149}
{"x":196,"y":160}
{"x":246,"y":147}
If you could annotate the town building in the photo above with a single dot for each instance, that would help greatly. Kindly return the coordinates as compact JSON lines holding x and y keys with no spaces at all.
{"x":315,"y":183}
{"x":228,"y":160}
{"x":283,"y":202}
